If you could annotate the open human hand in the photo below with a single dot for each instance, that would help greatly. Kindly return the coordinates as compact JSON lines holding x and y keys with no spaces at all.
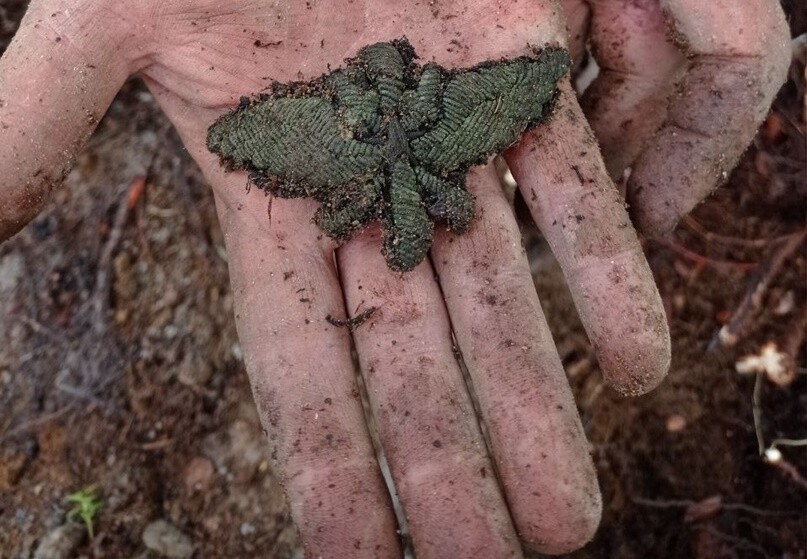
{"x":682,"y":89}
{"x":198,"y":57}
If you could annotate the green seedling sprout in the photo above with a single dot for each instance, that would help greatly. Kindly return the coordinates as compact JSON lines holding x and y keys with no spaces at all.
{"x":87,"y":505}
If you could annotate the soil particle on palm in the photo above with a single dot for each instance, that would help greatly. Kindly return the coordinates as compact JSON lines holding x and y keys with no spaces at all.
{"x":353,"y":322}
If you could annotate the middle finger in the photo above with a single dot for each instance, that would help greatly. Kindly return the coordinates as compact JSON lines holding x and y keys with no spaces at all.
{"x":426,"y":422}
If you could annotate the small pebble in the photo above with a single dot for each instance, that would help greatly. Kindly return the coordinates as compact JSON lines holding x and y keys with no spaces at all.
{"x":676,"y":423}
{"x":166,"y":539}
{"x":61,"y":542}
{"x":198,"y":473}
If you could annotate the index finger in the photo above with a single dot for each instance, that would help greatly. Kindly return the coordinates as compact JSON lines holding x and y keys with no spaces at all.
{"x":574,"y":203}
{"x":303,"y":380}
{"x":285,"y":284}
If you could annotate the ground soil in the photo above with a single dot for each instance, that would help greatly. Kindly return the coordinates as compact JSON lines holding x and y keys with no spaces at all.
{"x":120,"y":367}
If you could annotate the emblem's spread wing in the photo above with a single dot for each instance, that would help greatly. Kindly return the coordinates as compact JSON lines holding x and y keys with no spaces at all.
{"x":293,"y":145}
{"x":486,"y":108}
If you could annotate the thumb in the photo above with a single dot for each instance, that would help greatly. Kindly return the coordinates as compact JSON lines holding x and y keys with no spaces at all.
{"x":57,"y":78}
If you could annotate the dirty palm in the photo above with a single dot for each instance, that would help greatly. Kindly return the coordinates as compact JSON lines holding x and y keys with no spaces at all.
{"x":387,"y":139}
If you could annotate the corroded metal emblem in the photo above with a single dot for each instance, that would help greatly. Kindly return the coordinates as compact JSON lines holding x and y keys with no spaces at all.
{"x":387,"y":139}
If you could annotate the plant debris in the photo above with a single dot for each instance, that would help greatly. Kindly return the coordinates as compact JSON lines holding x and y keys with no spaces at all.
{"x":774,"y":364}
{"x":354,"y":322}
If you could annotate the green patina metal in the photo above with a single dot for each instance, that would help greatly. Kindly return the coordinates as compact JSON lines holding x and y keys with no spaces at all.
{"x":387,"y":139}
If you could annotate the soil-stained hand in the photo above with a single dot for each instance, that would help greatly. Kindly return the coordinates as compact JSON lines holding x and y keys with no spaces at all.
{"x":536,"y":483}
{"x":682,"y":89}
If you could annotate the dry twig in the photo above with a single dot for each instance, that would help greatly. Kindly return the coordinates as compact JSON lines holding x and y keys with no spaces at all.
{"x":775,"y":459}
{"x":102,"y":278}
{"x":710,"y":237}
{"x":732,"y":332}
{"x":714,"y":502}
{"x":756,"y":410}
{"x":701,"y":260}
{"x":34,"y":424}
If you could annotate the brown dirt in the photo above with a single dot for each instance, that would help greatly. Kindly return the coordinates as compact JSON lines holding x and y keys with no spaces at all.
{"x":124,"y":371}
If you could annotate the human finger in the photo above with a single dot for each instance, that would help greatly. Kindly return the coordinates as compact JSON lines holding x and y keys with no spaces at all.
{"x":639,"y":65}
{"x":425,"y":417}
{"x":739,"y":55}
{"x":57,"y":78}
{"x":578,"y":19}
{"x":538,"y":442}
{"x":302,"y":376}
{"x":576,"y":206}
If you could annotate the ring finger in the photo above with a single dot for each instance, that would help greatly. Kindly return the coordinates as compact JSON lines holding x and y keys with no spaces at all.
{"x":536,"y":436}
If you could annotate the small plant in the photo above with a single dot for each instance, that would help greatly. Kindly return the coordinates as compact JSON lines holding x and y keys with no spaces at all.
{"x":87,"y":505}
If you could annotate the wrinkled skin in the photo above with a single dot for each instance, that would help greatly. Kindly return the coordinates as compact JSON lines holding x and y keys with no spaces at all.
{"x":198,"y":56}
